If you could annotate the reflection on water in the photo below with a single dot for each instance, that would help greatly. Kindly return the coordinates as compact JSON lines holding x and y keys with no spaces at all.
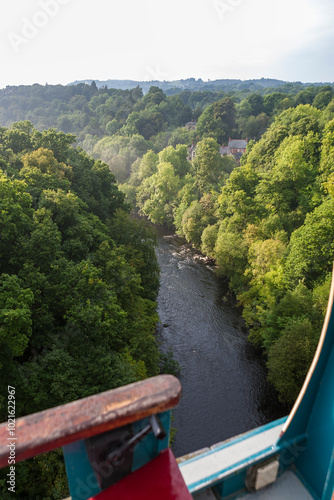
{"x":224,"y":391}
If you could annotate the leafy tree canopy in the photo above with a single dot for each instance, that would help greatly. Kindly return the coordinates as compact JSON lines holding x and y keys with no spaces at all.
{"x":78,"y":282}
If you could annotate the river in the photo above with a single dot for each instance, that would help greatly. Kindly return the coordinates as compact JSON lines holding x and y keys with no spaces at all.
{"x":224,"y":388}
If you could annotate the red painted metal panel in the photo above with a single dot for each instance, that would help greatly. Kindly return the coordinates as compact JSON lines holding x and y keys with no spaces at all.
{"x":160,"y":479}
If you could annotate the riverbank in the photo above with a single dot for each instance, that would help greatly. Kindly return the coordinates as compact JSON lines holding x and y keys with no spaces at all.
{"x":225,"y":391}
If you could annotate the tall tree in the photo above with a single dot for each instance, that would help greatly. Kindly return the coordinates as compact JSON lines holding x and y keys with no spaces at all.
{"x":208,"y":165}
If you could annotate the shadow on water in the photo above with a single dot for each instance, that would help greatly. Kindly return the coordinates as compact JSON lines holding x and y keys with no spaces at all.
{"x":224,"y":388}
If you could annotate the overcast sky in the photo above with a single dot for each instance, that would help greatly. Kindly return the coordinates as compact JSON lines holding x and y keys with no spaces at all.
{"x":59,"y":41}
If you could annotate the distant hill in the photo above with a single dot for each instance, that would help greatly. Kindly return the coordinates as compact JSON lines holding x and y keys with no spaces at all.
{"x":191,"y":84}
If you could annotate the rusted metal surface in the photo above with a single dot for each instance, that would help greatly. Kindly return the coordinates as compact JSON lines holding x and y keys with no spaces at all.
{"x":53,"y":428}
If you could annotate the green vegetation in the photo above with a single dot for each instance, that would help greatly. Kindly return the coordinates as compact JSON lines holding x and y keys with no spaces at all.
{"x":79,"y":280}
{"x":193,"y":86}
{"x":79,"y":277}
{"x":267,"y":223}
{"x":119,"y":126}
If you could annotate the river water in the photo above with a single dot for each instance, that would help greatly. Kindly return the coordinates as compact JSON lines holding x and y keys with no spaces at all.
{"x":224,"y":388}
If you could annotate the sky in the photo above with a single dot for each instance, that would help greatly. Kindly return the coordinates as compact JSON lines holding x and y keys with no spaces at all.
{"x":60,"y":41}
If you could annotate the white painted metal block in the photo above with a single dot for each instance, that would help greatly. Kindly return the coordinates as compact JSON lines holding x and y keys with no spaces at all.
{"x":205,"y":495}
{"x":267,"y":474}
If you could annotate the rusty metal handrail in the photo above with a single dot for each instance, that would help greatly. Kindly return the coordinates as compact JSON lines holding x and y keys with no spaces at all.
{"x":56,"y":427}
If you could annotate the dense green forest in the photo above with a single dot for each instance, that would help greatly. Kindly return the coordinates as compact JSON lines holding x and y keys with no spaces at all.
{"x":79,"y":277}
{"x":267,"y":223}
{"x":261,"y":85}
{"x":78,"y":285}
{"x":119,"y":126}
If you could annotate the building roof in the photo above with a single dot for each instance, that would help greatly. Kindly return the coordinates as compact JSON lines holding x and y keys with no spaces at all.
{"x":237,"y":144}
{"x":224,"y":150}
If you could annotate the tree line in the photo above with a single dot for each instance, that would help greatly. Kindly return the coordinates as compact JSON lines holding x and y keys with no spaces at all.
{"x":78,"y":286}
{"x":267,"y":223}
{"x":119,"y":126}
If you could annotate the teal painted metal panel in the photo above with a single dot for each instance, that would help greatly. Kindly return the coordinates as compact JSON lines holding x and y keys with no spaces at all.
{"x":80,"y":473}
{"x":329,"y":485}
{"x":314,"y":463}
{"x":231,"y":485}
{"x":150,"y":447}
{"x":314,"y":418}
